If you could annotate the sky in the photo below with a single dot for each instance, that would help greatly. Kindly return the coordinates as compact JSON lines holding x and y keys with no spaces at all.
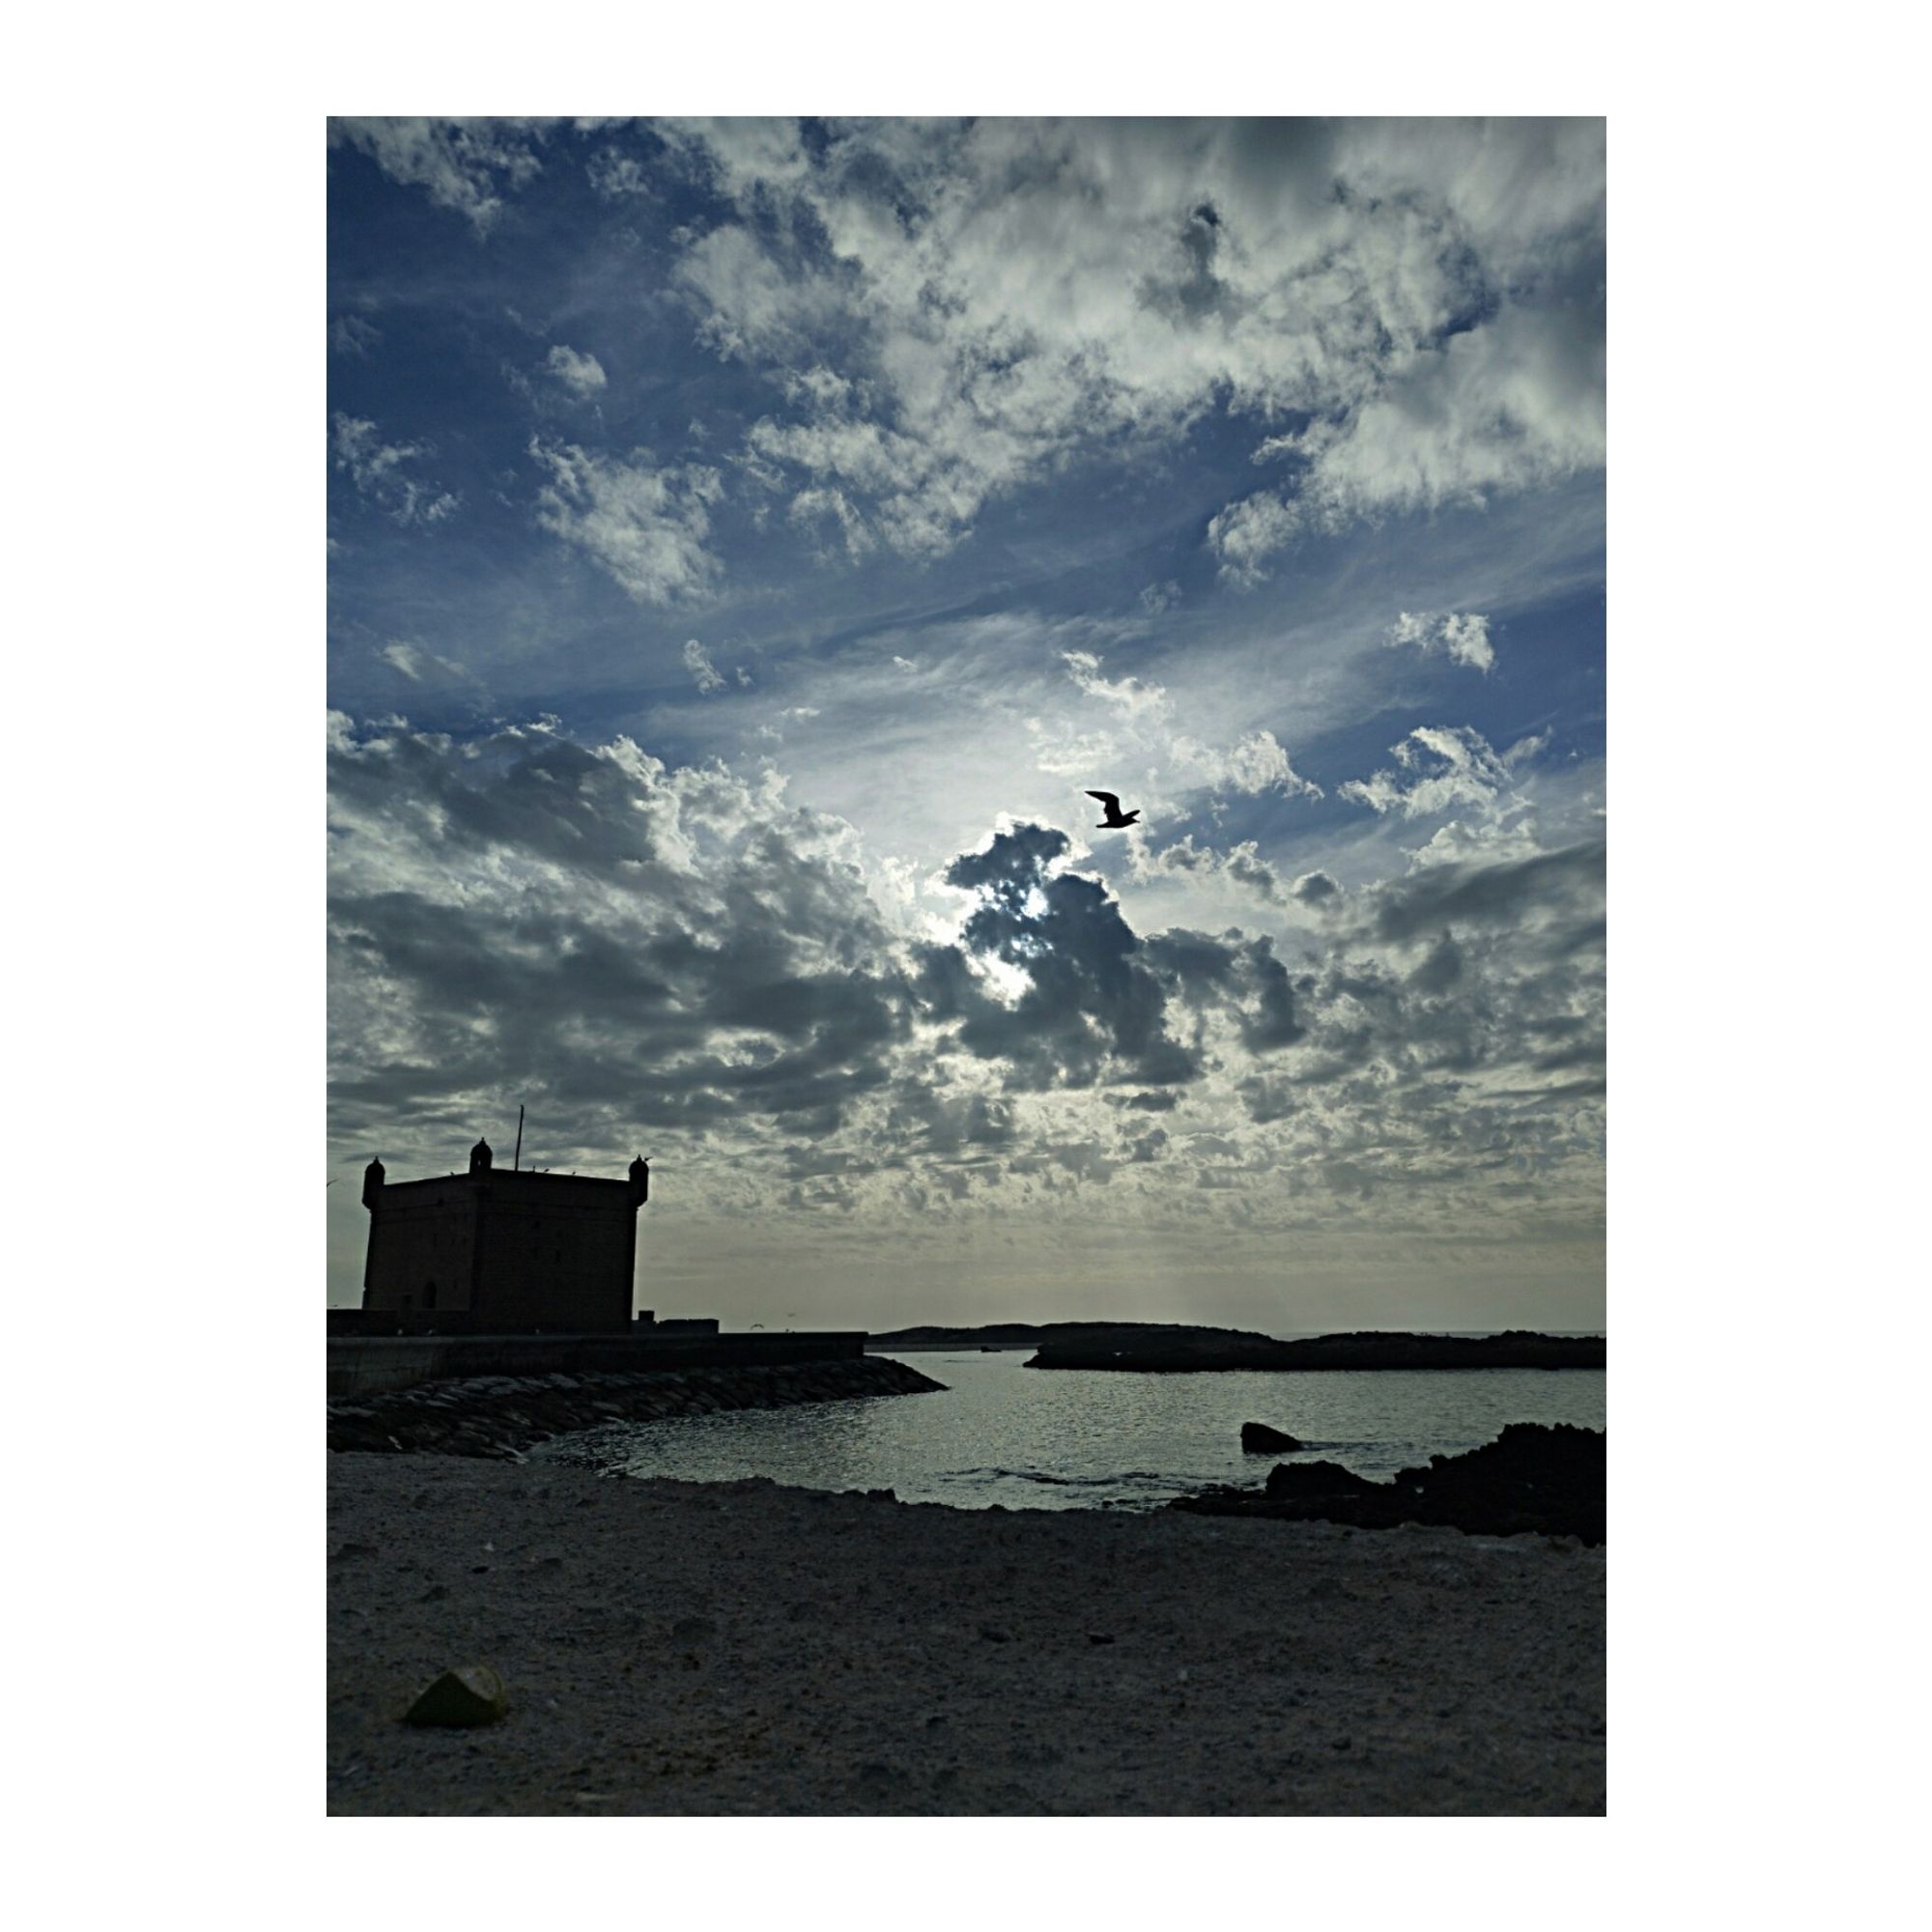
{"x":748,"y":541}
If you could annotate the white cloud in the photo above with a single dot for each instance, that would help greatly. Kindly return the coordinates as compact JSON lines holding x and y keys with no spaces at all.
{"x":1128,"y":694}
{"x":580,"y":372}
{"x":1443,"y":768}
{"x":645,"y":525}
{"x":697,"y":661}
{"x":1426,"y":292}
{"x":1255,"y":763}
{"x":1465,"y":637}
{"x":464,"y":165}
{"x":380,"y":471}
{"x":1246,"y":534}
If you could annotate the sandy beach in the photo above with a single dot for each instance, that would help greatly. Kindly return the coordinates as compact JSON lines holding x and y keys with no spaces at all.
{"x":674,"y":1648}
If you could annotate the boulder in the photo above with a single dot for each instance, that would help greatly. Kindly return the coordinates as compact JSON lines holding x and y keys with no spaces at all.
{"x":1259,"y":1439}
{"x":1298,"y":1479}
{"x":472,"y":1694}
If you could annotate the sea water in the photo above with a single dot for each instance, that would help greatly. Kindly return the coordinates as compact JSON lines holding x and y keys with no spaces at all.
{"x":1073,"y":1439}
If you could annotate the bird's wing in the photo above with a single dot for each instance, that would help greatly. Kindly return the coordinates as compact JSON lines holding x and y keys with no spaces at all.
{"x":1111,"y":799}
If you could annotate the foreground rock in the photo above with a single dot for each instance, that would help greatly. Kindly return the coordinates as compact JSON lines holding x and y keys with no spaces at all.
{"x":461,"y":1699}
{"x":1370,"y":1349}
{"x":1259,"y":1439}
{"x":500,"y":1416}
{"x":1533,"y":1479}
{"x":704,"y":1649}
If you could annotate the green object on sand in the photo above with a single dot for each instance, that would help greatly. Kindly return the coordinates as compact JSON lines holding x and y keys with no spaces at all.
{"x":473,"y":1695}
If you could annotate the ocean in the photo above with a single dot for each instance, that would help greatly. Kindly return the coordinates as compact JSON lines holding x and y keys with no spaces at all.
{"x":1035,"y":1439}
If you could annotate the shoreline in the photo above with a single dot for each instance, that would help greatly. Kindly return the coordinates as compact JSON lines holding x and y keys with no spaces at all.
{"x":698,"y":1649}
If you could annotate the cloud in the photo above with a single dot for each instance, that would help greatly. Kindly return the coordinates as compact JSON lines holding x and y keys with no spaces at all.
{"x":1315,"y":889}
{"x":1086,"y":1011}
{"x":1242,"y":865}
{"x":1255,"y":763}
{"x":580,"y":373}
{"x":1465,"y":637}
{"x":1436,"y":768}
{"x":413,"y":659}
{"x":464,"y":165}
{"x":634,"y":944}
{"x":1505,"y":894}
{"x":697,"y":661}
{"x":682,"y":961}
{"x":352,"y":335}
{"x":617,"y":176}
{"x":1083,"y":1000}
{"x":1128,"y":694}
{"x":381,"y":472}
{"x":645,"y":525}
{"x":1247,"y":533}
{"x":1423,"y":296}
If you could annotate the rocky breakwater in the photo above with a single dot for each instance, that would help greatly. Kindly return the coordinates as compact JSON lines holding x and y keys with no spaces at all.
{"x":500,"y":1416}
{"x":1534,"y":1478}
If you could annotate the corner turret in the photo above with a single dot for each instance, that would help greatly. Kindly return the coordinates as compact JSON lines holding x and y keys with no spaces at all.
{"x":641,"y":1182}
{"x":479,"y":1157}
{"x":372,"y":1183}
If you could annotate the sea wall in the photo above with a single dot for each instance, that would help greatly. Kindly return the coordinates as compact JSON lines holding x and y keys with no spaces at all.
{"x":502,"y":1415}
{"x":370,"y":1364}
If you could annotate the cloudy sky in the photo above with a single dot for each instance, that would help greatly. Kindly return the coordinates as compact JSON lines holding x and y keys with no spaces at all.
{"x":748,"y":540}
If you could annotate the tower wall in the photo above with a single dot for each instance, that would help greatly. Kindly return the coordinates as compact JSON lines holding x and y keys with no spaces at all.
{"x":423,"y":1243}
{"x":558,"y":1253}
{"x":515,"y":1251}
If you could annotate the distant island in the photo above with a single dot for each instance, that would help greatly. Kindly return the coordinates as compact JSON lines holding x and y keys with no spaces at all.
{"x":1042,"y":1334}
{"x":1165,"y":1348}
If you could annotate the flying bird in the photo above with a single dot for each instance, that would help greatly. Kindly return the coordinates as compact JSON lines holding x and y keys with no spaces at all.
{"x":1115,"y":817}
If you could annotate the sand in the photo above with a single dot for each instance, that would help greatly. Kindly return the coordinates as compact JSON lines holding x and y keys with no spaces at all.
{"x":699,"y":1649}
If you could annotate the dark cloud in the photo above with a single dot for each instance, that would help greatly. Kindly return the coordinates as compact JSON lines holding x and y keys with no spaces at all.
{"x":1494,"y":894}
{"x":678,"y":962}
{"x":1091,"y":1008}
{"x":621,"y":946}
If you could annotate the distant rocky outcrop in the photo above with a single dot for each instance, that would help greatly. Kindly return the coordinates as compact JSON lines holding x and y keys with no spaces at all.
{"x":1041,"y":1334}
{"x":1199,"y":1350}
{"x":1259,"y":1439}
{"x":500,"y":1416}
{"x":1535,"y":1478}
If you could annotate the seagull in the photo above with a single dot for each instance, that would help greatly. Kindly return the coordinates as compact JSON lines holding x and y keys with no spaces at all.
{"x":1115,"y":817}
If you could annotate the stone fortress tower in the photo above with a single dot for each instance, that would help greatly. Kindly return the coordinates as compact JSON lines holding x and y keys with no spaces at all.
{"x":517,"y":1251}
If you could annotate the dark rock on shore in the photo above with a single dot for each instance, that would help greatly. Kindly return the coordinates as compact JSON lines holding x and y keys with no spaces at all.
{"x":1297,"y":1480}
{"x":1533,"y":1479}
{"x":1150,"y":1353}
{"x":1259,"y":1439}
{"x":500,"y":1416}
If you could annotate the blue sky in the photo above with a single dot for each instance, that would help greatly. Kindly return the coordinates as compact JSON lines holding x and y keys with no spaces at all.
{"x":746,"y":542}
